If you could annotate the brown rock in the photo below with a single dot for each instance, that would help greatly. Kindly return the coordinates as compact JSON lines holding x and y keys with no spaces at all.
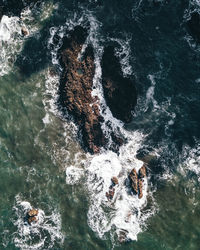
{"x":114,"y":180}
{"x":76,"y":87}
{"x":33,"y":212}
{"x":120,"y":92}
{"x":24,"y":31}
{"x":140,"y":186}
{"x":32,"y":219}
{"x":134,"y":180}
{"x":142,"y":172}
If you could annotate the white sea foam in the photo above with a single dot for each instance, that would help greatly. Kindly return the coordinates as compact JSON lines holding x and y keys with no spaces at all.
{"x":10,"y":42}
{"x":191,"y":158}
{"x":44,"y":233}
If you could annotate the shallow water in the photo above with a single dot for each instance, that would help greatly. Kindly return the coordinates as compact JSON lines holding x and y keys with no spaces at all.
{"x":42,"y":164}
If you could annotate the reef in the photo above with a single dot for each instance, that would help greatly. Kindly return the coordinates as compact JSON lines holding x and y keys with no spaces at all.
{"x":76,"y":87}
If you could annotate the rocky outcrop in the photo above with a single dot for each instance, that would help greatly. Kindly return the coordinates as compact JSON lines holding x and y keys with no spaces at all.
{"x":193,"y":26}
{"x":76,"y":87}
{"x":119,"y":91}
{"x":76,"y":90}
{"x":137,"y":180}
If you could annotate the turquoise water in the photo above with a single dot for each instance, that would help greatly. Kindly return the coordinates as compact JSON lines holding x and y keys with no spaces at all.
{"x":42,"y":164}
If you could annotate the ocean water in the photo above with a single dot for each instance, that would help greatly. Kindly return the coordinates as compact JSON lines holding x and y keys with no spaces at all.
{"x":42,"y":164}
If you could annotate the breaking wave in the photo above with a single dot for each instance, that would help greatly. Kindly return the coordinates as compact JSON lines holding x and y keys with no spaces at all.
{"x":44,"y":233}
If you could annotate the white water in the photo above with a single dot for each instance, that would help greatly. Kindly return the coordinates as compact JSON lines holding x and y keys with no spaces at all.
{"x":47,"y":229}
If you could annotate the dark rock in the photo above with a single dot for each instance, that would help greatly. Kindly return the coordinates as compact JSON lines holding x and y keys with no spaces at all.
{"x":119,"y":91}
{"x":193,"y":26}
{"x":110,"y":193}
{"x":134,"y":180}
{"x":141,"y":176}
{"x":76,"y":87}
{"x":142,"y":172}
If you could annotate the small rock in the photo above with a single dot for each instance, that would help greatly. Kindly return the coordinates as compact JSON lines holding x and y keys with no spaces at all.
{"x":122,"y":236}
{"x":24,"y":31}
{"x":32,"y":213}
{"x":114,"y":181}
{"x":110,"y":193}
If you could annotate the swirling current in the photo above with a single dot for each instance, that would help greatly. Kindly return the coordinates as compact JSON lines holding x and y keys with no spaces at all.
{"x":42,"y":163}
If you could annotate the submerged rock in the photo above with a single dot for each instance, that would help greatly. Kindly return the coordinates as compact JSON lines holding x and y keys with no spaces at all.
{"x":76,"y":87}
{"x":119,"y":91}
{"x":193,"y":26}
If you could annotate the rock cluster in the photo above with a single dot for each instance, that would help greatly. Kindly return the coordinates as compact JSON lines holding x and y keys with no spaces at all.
{"x":137,"y":180}
{"x":77,"y":84}
{"x":32,"y":216}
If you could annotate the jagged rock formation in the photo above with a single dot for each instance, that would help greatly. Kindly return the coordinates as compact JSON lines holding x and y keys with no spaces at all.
{"x":193,"y":26}
{"x":137,"y":180}
{"x":76,"y":87}
{"x":119,"y":91}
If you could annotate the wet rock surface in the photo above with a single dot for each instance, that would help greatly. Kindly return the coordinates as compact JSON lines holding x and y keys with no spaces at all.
{"x":193,"y":26}
{"x":137,"y":180}
{"x":119,"y":91}
{"x":76,"y":87}
{"x":32,"y":216}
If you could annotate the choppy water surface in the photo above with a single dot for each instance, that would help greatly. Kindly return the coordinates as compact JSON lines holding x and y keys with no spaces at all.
{"x":41,"y":162}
